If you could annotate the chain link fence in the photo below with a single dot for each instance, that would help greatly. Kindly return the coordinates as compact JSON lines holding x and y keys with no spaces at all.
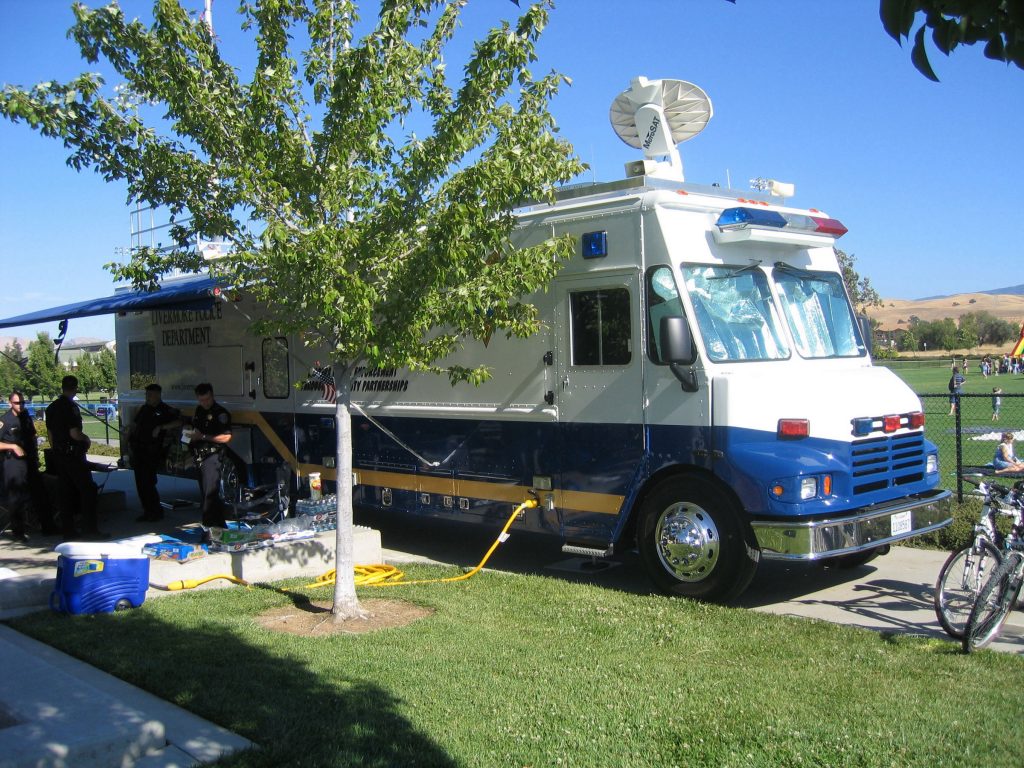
{"x":967,"y":431}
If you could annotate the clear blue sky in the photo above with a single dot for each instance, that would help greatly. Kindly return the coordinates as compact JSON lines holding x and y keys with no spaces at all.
{"x":925,"y":175}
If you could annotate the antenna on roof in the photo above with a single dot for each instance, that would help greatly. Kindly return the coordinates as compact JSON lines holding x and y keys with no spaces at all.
{"x":655,"y":115}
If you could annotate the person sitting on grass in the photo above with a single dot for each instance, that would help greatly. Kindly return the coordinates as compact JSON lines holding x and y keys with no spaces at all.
{"x":1005,"y":462}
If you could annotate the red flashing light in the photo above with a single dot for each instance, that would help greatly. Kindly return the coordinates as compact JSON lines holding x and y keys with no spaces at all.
{"x":891,"y":423}
{"x":832,"y":227}
{"x":915,"y":420}
{"x":793,"y":429}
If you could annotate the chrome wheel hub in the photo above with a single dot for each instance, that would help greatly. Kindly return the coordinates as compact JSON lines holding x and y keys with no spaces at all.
{"x":688,"y":543}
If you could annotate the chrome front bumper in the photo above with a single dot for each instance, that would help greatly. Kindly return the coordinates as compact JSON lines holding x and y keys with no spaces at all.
{"x":867,"y":528}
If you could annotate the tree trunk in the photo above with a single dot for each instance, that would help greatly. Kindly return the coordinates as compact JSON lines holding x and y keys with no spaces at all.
{"x":346,"y":604}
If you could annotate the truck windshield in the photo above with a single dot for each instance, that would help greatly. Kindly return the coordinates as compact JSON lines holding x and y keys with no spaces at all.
{"x":818,"y":312}
{"x":734,"y":309}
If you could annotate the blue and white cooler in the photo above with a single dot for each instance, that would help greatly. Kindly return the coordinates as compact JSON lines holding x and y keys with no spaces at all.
{"x":99,"y":577}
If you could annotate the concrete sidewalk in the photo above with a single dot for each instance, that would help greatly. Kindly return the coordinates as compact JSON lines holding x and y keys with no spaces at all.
{"x":58,"y":711}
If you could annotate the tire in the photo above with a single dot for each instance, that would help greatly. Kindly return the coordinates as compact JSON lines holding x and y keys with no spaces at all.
{"x":232,"y":480}
{"x":960,"y":580}
{"x":693,"y":543}
{"x":993,"y":605}
{"x":856,"y":559}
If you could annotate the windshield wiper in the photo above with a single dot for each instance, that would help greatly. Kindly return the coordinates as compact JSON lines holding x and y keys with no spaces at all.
{"x":736,"y":271}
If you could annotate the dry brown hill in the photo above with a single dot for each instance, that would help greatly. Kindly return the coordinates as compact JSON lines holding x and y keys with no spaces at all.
{"x":895,"y":314}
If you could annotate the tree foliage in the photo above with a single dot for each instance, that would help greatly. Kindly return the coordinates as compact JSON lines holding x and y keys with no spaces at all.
{"x":364,"y":191}
{"x":999,"y":24}
{"x":862,"y":294}
{"x":42,"y":373}
{"x":971,"y":330}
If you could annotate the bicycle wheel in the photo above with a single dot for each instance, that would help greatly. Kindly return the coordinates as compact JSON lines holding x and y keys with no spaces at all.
{"x":960,"y":580}
{"x":993,"y":605}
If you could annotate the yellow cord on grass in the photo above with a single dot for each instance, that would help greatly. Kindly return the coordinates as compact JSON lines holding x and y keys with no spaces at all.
{"x":174,"y":586}
{"x":389,"y":576}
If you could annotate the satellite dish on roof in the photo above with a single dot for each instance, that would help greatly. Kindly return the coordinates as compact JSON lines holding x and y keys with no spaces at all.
{"x":655,"y":115}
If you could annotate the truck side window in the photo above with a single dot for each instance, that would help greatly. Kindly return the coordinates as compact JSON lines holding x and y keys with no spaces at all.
{"x":141,"y":364}
{"x":275,"y":367}
{"x":601,"y":327}
{"x":662,"y":301}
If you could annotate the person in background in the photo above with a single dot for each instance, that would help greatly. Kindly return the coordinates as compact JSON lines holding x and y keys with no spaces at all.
{"x":69,"y":444}
{"x":1005,"y":462}
{"x":19,"y":454}
{"x":148,"y":449}
{"x":997,"y":401}
{"x":211,"y":432}
{"x":956,"y":388}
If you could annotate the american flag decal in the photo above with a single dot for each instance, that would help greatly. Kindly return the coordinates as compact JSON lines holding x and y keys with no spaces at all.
{"x":325,"y":378}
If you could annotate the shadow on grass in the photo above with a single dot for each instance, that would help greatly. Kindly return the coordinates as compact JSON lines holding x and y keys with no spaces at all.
{"x":296,"y":718}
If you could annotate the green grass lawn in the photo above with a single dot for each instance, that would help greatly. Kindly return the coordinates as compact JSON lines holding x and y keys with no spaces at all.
{"x":516,"y":670}
{"x":975,"y":411}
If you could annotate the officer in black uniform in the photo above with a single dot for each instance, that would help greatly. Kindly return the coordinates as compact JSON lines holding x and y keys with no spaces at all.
{"x":23,"y":486}
{"x":69,"y":445}
{"x":149,"y":449}
{"x":211,"y":433}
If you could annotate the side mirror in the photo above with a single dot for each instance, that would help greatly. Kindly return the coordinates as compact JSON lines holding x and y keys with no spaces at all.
{"x":676,"y":341}
{"x":866,"y":334}
{"x":677,"y":350}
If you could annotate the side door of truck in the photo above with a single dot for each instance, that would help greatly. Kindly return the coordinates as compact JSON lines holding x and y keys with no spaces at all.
{"x":599,"y":398}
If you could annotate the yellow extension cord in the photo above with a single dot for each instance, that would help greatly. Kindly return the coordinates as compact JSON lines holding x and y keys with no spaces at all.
{"x":174,"y":586}
{"x":368,"y":575}
{"x":389,"y":576}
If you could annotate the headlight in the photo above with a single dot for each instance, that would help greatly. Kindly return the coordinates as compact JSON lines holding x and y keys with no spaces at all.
{"x":808,"y":487}
{"x":932,"y":465}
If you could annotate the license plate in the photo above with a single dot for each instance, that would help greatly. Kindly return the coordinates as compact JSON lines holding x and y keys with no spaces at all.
{"x":900,"y":523}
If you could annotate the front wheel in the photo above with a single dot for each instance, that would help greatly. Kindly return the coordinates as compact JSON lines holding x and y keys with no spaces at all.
{"x":692,"y":541}
{"x":960,"y":580}
{"x":993,"y":605}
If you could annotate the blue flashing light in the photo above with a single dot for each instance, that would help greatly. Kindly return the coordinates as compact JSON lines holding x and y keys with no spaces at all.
{"x":863,"y":426}
{"x":738,"y":218}
{"x":595,"y":244}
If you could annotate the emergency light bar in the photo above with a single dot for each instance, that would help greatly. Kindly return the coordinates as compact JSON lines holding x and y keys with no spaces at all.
{"x":741,"y":224}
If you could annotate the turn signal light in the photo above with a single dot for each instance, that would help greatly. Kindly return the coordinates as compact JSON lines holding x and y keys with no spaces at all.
{"x":793,"y":429}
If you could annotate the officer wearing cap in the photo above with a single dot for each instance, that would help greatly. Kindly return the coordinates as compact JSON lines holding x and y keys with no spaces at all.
{"x":69,"y":445}
{"x":211,"y":432}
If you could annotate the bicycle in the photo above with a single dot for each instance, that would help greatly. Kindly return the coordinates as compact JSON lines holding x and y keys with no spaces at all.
{"x":997,"y":596}
{"x":964,"y":572}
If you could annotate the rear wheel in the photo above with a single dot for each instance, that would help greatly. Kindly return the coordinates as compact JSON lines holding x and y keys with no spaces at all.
{"x":692,"y":541}
{"x":992,"y":606}
{"x":959,"y":583}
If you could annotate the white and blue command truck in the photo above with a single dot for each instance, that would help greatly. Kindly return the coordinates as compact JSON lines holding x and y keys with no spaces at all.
{"x":701,"y":389}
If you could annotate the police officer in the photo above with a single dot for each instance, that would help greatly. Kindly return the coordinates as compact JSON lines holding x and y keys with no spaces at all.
{"x":69,"y":445}
{"x":22,"y":483}
{"x":211,"y":432}
{"x":148,"y":449}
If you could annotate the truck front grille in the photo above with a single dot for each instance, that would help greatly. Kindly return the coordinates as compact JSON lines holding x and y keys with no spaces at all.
{"x":886,"y":462}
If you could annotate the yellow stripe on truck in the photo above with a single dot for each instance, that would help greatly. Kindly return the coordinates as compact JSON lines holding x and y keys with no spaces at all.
{"x":580,"y":501}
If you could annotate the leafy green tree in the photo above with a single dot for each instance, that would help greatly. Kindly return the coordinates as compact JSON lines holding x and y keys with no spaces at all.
{"x":12,"y":374}
{"x":365,"y":196}
{"x":999,"y":24}
{"x":43,"y":375}
{"x":908,"y":342}
{"x":106,"y":370}
{"x":85,"y":370}
{"x":862,"y":294}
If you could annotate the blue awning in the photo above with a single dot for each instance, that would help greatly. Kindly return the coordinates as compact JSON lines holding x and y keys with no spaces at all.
{"x":186,"y":293}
